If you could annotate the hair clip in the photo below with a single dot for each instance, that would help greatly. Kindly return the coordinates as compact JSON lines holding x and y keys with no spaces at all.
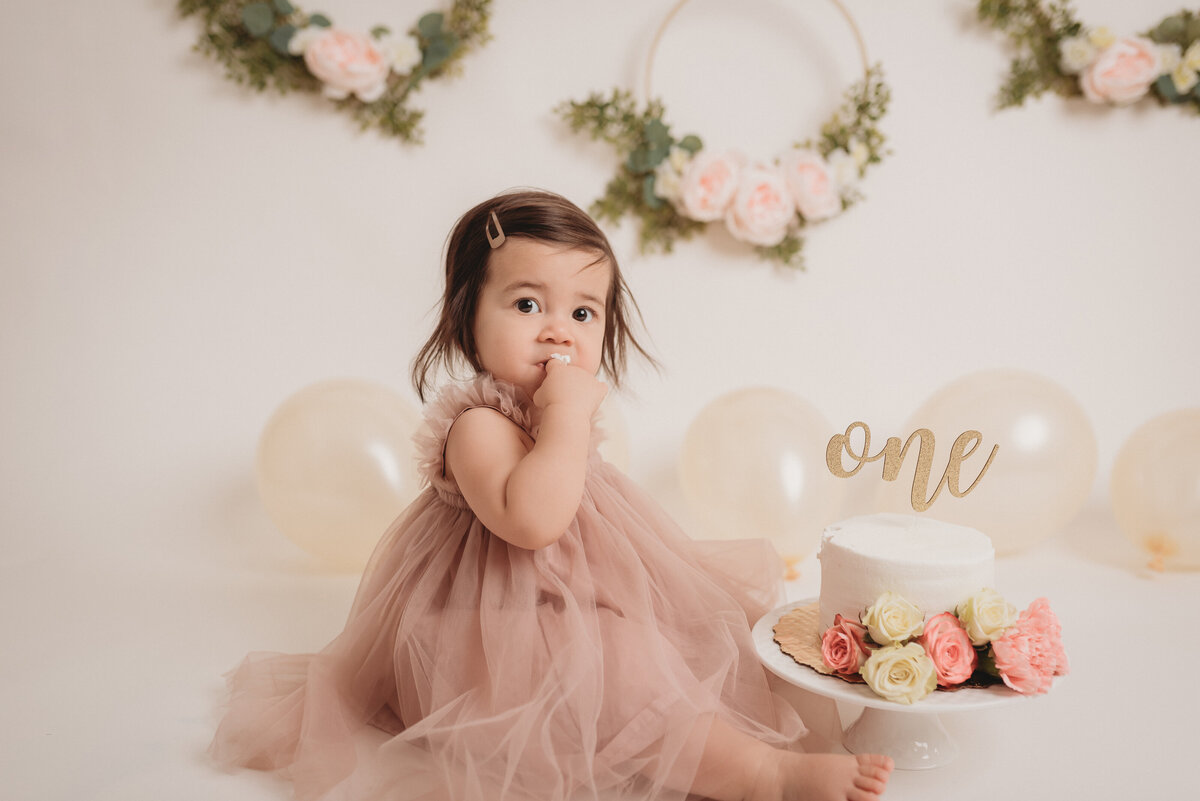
{"x":497,"y":240}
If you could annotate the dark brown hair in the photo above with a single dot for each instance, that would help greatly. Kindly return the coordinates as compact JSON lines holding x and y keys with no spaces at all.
{"x":535,"y":214}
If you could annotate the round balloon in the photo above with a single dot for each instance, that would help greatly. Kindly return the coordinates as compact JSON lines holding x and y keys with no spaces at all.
{"x":1155,"y":489}
{"x":753,"y":465}
{"x":335,"y":467}
{"x":1041,"y":475}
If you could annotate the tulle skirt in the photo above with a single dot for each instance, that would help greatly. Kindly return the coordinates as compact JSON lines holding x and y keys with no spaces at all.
{"x":471,"y":669}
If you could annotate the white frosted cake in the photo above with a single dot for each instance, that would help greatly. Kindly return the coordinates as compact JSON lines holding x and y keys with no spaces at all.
{"x":934,"y":565}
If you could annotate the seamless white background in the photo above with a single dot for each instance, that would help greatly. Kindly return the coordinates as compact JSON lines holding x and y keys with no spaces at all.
{"x":180,"y":255}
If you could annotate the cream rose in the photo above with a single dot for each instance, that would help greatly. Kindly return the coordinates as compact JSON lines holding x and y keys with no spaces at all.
{"x":817,"y":194}
{"x":1076,"y":52}
{"x":762,"y":208}
{"x":403,"y":52}
{"x":707,"y":185}
{"x":347,"y":63}
{"x":892,"y":619}
{"x":900,"y":673}
{"x":985,"y":616}
{"x":1123,"y":72}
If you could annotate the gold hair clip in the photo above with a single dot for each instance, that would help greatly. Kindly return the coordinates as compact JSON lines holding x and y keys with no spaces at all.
{"x":497,"y":240}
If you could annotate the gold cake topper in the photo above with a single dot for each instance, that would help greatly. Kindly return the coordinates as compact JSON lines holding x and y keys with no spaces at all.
{"x":893,"y":455}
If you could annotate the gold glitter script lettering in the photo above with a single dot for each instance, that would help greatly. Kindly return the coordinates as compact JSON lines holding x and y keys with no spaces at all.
{"x":893,"y":454}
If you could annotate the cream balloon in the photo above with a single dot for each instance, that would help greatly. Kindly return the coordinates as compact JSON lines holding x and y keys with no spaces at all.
{"x":753,"y":465}
{"x":336,"y":466}
{"x":1155,"y":489}
{"x":1041,"y":475}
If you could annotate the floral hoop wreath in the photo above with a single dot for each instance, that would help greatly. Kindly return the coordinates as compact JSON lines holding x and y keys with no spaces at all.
{"x":370,"y":75}
{"x":676,"y":187}
{"x":1056,"y":52}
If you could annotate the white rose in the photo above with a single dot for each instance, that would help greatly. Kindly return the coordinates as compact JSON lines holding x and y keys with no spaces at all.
{"x":1076,"y":53}
{"x":347,"y":63}
{"x":403,"y":52}
{"x":900,"y":673}
{"x":814,"y":188}
{"x":985,"y":616}
{"x":1123,"y":72}
{"x":762,"y":208}
{"x":668,"y":175}
{"x":707,"y":185}
{"x":892,"y":619}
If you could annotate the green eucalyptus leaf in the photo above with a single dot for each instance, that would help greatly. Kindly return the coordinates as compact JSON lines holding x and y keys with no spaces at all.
{"x":656,"y":133}
{"x":280,"y":37}
{"x":1171,"y":29}
{"x":648,"y":196}
{"x":430,"y":25}
{"x":436,"y":54}
{"x":1165,"y":86}
{"x":283,"y":7}
{"x":380,"y":31}
{"x":656,"y":154}
{"x":320,"y":20}
{"x":638,"y":161}
{"x":691,"y":143}
{"x":1193,"y":30}
{"x":258,"y":19}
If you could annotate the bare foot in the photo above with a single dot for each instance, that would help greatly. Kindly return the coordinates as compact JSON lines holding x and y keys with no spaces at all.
{"x":826,"y":777}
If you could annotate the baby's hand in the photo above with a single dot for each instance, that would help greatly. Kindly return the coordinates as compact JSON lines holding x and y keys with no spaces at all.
{"x":570,"y":385}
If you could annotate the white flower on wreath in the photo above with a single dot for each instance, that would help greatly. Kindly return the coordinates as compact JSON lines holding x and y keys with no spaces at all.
{"x":707,"y":185}
{"x":762,"y":208}
{"x":1102,"y":37}
{"x":346,"y":62}
{"x":1076,"y":53}
{"x":668,"y":175}
{"x":1184,"y":68}
{"x":813,"y":184}
{"x":402,"y":51}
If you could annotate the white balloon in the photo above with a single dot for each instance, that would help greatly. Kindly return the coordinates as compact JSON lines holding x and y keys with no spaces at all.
{"x":753,"y":465}
{"x":336,"y":466}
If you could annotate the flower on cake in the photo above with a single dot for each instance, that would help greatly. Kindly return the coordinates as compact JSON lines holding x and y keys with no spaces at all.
{"x":892,"y":619}
{"x":947,"y":643}
{"x":985,"y":615}
{"x":902,"y":657}
{"x":901,"y":673}
{"x":844,"y":646}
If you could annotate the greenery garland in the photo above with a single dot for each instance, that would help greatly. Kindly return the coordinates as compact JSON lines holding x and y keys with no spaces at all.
{"x":276,"y":45}
{"x":657,"y":170}
{"x":1056,"y":52}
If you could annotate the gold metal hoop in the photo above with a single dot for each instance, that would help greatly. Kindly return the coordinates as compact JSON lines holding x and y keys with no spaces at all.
{"x":858,"y":38}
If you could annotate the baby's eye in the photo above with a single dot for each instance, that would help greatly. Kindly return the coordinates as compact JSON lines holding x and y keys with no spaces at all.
{"x":528,"y":306}
{"x":583,"y":314}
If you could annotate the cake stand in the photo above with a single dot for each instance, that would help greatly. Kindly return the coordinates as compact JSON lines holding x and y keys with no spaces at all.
{"x":912,"y":735}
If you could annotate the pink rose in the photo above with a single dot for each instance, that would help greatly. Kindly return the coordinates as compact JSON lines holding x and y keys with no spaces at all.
{"x":708,"y":184}
{"x":347,"y":63}
{"x":762,"y":207}
{"x":1030,"y":652}
{"x":1123,"y":72}
{"x":844,"y":646}
{"x":811,"y":182}
{"x":947,"y":643}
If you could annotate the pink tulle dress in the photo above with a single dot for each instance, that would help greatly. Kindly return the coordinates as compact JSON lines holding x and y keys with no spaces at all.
{"x":473,"y":669}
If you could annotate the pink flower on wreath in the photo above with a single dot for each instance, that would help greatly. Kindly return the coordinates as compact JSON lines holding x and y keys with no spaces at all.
{"x":347,"y":63}
{"x":812,"y":184}
{"x":1123,"y":72}
{"x":762,"y":207}
{"x":1030,"y":652}
{"x":707,"y":185}
{"x":844,"y":646}
{"x":947,"y":643}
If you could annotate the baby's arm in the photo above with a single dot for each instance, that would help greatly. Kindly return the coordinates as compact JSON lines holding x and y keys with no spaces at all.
{"x":526,"y":493}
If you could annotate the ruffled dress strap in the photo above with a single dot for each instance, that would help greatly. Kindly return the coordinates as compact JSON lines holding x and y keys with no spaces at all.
{"x":441,"y":413}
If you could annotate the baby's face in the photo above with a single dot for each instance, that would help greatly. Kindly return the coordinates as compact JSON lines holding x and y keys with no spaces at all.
{"x":540,"y":299}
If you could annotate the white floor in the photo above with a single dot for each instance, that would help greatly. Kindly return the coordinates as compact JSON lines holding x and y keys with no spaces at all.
{"x":113,"y":673}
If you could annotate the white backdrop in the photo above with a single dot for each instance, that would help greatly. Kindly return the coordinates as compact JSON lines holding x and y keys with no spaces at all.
{"x":180,"y":255}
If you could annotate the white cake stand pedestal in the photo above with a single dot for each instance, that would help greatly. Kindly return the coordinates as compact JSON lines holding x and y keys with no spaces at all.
{"x":913,"y":736}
